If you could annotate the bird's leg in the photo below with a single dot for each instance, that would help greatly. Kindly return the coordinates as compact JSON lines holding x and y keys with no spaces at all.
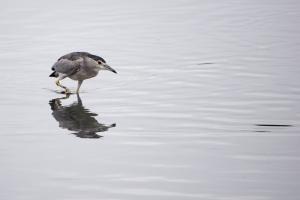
{"x":78,"y":87}
{"x":79,"y":99}
{"x":67,"y":91}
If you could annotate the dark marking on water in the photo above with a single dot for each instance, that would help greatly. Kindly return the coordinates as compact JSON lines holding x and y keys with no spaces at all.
{"x":274,"y":125}
{"x":262,"y":131}
{"x":205,"y":63}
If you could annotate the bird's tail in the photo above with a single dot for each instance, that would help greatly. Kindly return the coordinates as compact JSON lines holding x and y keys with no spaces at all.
{"x":54,"y":74}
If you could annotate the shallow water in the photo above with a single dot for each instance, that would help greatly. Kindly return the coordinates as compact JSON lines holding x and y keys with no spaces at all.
{"x":205,"y":104}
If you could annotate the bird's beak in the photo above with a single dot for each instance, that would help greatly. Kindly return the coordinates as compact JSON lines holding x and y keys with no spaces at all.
{"x":107,"y":67}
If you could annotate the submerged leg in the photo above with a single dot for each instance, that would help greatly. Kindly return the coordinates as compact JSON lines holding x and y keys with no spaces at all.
{"x":78,"y":87}
{"x":67,"y":91}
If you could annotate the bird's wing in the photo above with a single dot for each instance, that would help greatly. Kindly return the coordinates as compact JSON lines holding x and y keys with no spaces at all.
{"x":66,"y":66}
{"x":77,"y":55}
{"x":73,"y":56}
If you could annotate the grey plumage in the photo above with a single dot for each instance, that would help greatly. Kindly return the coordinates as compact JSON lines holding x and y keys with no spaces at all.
{"x":78,"y":66}
{"x":76,"y":55}
{"x":66,"y":66}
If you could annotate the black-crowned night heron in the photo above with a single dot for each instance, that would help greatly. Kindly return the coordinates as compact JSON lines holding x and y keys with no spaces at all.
{"x":78,"y":66}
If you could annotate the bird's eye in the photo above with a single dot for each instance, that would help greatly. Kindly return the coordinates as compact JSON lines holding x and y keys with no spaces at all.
{"x":99,"y":62}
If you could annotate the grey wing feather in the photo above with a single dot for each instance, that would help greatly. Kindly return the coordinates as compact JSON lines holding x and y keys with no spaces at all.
{"x":77,"y":55}
{"x":66,"y":66}
{"x":73,"y":56}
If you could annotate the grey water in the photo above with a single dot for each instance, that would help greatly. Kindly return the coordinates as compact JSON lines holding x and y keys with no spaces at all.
{"x":205,"y":104}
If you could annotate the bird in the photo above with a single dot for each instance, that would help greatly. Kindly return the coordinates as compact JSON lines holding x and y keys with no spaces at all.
{"x":78,"y":66}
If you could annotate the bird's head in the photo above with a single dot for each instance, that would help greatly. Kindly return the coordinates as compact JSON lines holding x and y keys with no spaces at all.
{"x":103,"y":66}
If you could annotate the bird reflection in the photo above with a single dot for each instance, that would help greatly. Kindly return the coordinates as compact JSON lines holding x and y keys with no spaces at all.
{"x":76,"y":118}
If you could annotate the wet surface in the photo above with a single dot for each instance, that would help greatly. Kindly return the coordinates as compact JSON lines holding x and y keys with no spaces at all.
{"x":205,"y":104}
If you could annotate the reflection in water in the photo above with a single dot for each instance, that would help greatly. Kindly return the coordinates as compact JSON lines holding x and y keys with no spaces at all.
{"x":75,"y":117}
{"x":270,"y":127}
{"x":274,"y":125}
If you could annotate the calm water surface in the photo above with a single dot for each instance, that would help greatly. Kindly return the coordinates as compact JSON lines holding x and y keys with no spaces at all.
{"x":205,"y":104}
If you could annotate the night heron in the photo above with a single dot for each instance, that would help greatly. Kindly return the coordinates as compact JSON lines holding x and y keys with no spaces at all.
{"x":78,"y":66}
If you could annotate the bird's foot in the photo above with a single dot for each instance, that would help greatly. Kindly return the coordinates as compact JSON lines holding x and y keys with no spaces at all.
{"x":66,"y":92}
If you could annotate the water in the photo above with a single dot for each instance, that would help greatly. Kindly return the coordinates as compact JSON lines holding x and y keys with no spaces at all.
{"x":205,"y":104}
